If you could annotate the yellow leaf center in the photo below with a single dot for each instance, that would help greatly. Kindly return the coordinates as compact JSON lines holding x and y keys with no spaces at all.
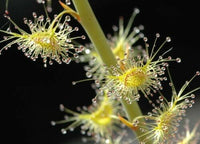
{"x":134,"y":77}
{"x":102,"y":116}
{"x":45,"y":40}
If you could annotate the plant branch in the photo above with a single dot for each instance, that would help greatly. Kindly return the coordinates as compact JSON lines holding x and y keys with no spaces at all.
{"x":96,"y":35}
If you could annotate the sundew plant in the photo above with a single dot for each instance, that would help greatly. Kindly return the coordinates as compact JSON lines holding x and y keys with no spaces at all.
{"x":125,"y":67}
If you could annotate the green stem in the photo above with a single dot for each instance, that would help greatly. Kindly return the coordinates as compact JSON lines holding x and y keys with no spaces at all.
{"x":96,"y":35}
{"x":93,"y":29}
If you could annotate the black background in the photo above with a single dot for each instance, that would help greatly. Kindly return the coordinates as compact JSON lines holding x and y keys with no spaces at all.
{"x":30,"y":94}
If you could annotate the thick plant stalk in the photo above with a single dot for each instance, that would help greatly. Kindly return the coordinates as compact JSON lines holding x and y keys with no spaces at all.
{"x":96,"y":35}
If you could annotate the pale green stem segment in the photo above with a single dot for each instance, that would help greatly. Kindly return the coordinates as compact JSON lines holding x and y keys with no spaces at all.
{"x":132,"y":111}
{"x":93,"y":29}
{"x":96,"y":35}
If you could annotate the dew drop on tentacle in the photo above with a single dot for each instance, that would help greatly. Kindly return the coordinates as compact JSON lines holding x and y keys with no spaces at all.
{"x":71,"y":129}
{"x":75,"y":55}
{"x":84,"y":140}
{"x":68,"y":18}
{"x":81,"y":48}
{"x":107,"y":141}
{"x":61,"y":107}
{"x":88,"y":74}
{"x":187,"y":100}
{"x":197,"y":73}
{"x":34,"y":15}
{"x":190,"y":105}
{"x":50,"y":62}
{"x":135,"y":29}
{"x":63,"y":131}
{"x":25,"y":20}
{"x":45,"y":65}
{"x":192,"y":101}
{"x":39,"y":1}
{"x":6,"y":12}
{"x":76,"y":29}
{"x":136,"y":11}
{"x":157,"y":35}
{"x":145,"y":39}
{"x":149,"y":114}
{"x":141,"y":27}
{"x":83,"y":37}
{"x":49,"y":9}
{"x":83,"y":132}
{"x":73,"y":83}
{"x":68,"y":2}
{"x":94,"y":100}
{"x":115,"y":28}
{"x":178,"y":60}
{"x":170,"y":84}
{"x":78,"y":108}
{"x":68,"y":60}
{"x":192,"y":96}
{"x":161,"y":98}
{"x":53,"y":123}
{"x":168,"y":39}
{"x":97,"y":83}
{"x":68,"y":40}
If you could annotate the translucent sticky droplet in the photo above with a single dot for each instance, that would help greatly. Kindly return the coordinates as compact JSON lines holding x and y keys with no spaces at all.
{"x":137,"y":30}
{"x":88,"y":74}
{"x":49,"y":9}
{"x":71,"y":129}
{"x":34,"y":15}
{"x":39,"y":1}
{"x":76,"y":28}
{"x":107,"y":141}
{"x":68,"y":2}
{"x":62,"y":108}
{"x":76,"y":55}
{"x":192,"y":96}
{"x":157,"y":35}
{"x":45,"y":65}
{"x":68,"y":60}
{"x":192,"y":101}
{"x":68,"y":40}
{"x":187,"y":101}
{"x":197,"y":73}
{"x":149,"y":113}
{"x":73,"y":83}
{"x":115,"y":28}
{"x":53,"y":123}
{"x":168,"y":39}
{"x":145,"y":39}
{"x":63,"y":131}
{"x":136,"y":10}
{"x":178,"y":60}
{"x":6,"y":12}
{"x":94,"y":100}
{"x":84,"y":139}
{"x":83,"y":37}
{"x":190,"y":105}
{"x":161,"y":98}
{"x":68,"y":18}
{"x":87,"y":51}
{"x":50,"y":62}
